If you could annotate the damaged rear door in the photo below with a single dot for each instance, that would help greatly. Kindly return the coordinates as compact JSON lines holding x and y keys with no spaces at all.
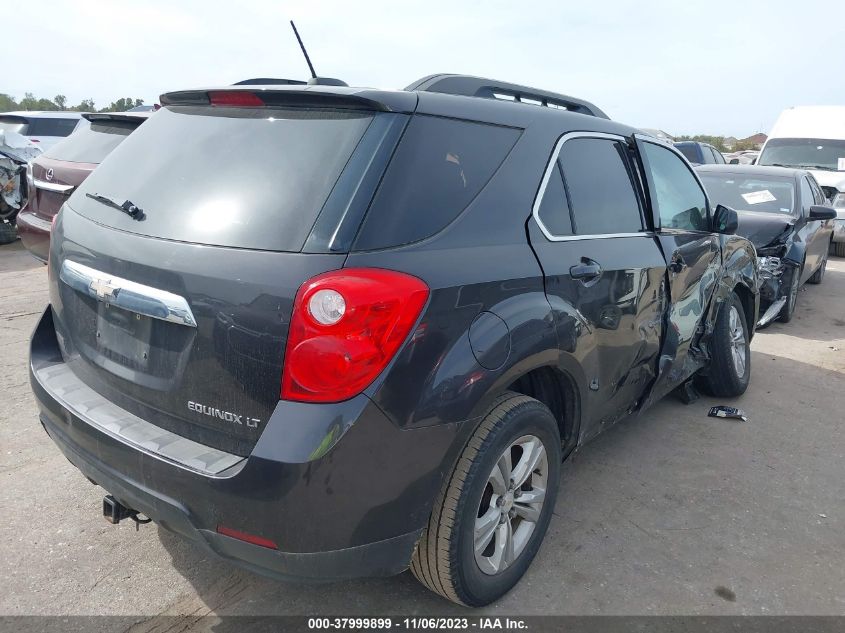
{"x":693,"y":260}
{"x":603,"y":271}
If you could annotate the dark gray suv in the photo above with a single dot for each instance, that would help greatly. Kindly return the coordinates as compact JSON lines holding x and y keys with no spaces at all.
{"x":330,"y":332}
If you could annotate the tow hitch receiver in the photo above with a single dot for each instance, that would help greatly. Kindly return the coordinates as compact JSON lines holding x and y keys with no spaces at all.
{"x":114,"y":511}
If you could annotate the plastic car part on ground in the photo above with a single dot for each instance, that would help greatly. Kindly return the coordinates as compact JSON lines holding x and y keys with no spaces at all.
{"x":727,"y":412}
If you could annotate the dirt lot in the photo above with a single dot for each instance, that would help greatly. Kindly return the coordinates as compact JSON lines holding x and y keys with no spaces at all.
{"x":669,"y":513}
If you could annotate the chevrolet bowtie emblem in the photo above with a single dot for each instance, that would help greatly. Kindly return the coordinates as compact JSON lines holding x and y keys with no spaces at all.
{"x":103,"y":288}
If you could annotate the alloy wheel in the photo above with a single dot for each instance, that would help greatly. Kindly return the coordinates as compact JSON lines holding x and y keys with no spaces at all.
{"x":737,"y":340}
{"x":511,"y":504}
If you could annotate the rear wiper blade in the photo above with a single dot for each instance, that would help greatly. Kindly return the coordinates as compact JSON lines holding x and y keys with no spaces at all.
{"x":136,"y":213}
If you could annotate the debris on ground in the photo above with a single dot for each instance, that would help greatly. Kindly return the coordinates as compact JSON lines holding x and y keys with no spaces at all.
{"x":728,"y":412}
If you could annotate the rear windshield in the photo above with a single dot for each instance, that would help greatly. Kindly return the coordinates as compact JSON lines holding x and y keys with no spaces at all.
{"x":241,"y":177}
{"x":771,"y":194}
{"x":690,"y":152}
{"x":13,"y":124}
{"x":36,"y":126}
{"x":92,"y":142}
{"x":438,"y":169}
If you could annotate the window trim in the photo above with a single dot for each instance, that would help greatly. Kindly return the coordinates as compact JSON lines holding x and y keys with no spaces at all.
{"x":547,"y":173}
{"x":653,"y":206}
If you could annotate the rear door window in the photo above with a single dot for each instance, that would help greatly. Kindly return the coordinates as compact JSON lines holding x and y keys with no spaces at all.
{"x":92,"y":142}
{"x":598,"y":179}
{"x":243,"y":177}
{"x":554,"y":207}
{"x":439,"y":167}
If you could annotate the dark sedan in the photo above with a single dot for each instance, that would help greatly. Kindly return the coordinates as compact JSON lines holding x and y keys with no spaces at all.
{"x":781,"y":211}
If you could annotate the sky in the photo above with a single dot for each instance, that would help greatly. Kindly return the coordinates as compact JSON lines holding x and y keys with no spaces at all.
{"x":716,"y":67}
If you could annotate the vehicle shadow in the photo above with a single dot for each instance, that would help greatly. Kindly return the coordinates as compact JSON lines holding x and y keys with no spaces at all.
{"x":15,"y":258}
{"x":656,"y":516}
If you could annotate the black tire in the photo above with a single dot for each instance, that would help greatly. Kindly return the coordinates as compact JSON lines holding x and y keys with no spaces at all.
{"x":837,"y":248}
{"x":445,"y":558}
{"x":723,"y":378}
{"x":792,"y":281}
{"x":818,"y":276}
{"x":8,"y":233}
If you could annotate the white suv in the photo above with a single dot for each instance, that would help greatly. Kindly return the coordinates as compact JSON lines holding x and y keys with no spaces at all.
{"x":813,"y":138}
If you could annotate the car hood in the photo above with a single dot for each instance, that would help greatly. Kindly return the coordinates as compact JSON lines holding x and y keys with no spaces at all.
{"x":762,"y":228}
{"x":829,"y":178}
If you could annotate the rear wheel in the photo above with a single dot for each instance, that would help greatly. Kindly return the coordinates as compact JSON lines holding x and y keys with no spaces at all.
{"x":488,"y":522}
{"x":730,"y":365}
{"x":838,"y":249}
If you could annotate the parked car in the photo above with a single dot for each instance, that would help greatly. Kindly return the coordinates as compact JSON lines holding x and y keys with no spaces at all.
{"x":782,"y":211}
{"x":745,"y":157}
{"x":44,"y":128}
{"x":813,"y":138}
{"x":367,"y":339}
{"x":700,"y":153}
{"x":16,"y":151}
{"x":58,"y":171}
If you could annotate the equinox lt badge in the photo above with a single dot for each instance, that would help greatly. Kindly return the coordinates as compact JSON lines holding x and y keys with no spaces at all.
{"x":224,"y":415}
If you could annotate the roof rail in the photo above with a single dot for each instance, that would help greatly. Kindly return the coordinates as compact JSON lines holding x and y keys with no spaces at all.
{"x":469,"y":86}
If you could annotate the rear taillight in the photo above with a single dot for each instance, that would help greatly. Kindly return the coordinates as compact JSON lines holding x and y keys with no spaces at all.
{"x":345,"y":328}
{"x":234,"y":99}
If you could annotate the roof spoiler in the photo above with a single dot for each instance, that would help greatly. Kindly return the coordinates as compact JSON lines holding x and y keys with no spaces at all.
{"x":469,"y":86}
{"x":284,"y":96}
{"x":133,"y":117}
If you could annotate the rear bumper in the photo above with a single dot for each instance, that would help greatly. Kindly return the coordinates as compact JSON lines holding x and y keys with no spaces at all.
{"x":352,"y":506}
{"x":34,"y":233}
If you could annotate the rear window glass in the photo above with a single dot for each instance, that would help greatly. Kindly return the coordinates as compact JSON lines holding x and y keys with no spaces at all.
{"x":92,"y":142}
{"x":439,"y":167}
{"x":242,"y":177}
{"x":13,"y":124}
{"x":690,"y":152}
{"x":51,"y":127}
{"x":597,"y":176}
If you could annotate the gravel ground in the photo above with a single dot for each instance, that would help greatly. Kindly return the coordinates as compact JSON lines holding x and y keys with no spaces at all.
{"x":671,"y":512}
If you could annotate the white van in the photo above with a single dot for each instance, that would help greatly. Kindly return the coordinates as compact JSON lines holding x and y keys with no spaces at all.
{"x":813,"y":138}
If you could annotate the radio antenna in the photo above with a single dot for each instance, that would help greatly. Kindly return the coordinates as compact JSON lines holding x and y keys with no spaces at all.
{"x":304,"y":52}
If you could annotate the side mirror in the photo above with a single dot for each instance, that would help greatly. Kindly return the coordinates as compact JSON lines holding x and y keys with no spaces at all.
{"x":753,"y":161}
{"x":818,"y":212}
{"x":725,"y":220}
{"x":734,"y":161}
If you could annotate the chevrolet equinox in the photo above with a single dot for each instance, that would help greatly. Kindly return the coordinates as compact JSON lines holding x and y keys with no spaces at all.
{"x":330,"y":332}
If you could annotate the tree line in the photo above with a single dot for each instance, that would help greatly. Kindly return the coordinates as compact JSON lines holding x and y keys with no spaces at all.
{"x":59,"y":102}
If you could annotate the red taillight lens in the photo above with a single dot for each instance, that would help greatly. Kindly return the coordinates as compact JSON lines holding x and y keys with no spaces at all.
{"x":247,"y":538}
{"x":346,"y":326}
{"x":234,"y":98}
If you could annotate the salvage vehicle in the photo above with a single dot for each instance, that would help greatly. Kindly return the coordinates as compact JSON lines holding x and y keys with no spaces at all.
{"x":782,"y":211}
{"x":16,"y":151}
{"x":369,"y":342}
{"x":813,"y":138}
{"x":57,"y":172}
{"x":700,"y":153}
{"x":42,"y":128}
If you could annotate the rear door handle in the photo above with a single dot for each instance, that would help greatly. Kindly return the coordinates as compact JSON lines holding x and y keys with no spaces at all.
{"x":586,"y":270}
